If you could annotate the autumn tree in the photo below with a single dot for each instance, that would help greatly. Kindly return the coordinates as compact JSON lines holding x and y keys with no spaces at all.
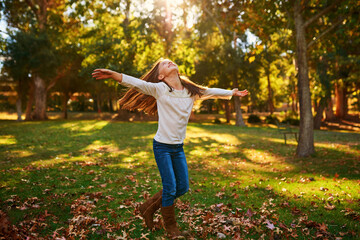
{"x":41,"y":24}
{"x":302,"y":17}
{"x":221,"y":22}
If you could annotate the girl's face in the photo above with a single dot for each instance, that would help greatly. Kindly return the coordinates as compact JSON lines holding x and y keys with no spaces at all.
{"x":166,"y":68}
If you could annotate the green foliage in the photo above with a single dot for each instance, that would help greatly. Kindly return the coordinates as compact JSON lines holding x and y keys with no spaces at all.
{"x":291,"y":118}
{"x":217,"y":121}
{"x":271,"y":119}
{"x":292,"y":121}
{"x":128,"y":37}
{"x":254,"y":119}
{"x":30,"y":52}
{"x":81,"y":104}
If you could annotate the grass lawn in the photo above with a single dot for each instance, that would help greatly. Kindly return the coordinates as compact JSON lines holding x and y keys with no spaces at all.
{"x":84,"y":180}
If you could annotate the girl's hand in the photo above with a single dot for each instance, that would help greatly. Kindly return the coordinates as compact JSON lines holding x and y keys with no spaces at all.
{"x":238,"y":93}
{"x":106,"y":73}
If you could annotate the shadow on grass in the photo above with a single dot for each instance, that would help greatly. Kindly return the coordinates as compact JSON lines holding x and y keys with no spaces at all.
{"x":80,"y":157}
{"x":336,"y":153}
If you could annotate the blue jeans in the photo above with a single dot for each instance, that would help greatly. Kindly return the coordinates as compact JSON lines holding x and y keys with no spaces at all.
{"x":171,"y":161}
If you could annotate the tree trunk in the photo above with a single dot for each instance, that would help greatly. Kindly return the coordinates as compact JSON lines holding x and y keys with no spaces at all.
{"x":295,"y":91}
{"x":319,"y":113}
{"x":239,"y":118}
{"x":65,"y":108}
{"x":18,"y":108}
{"x":19,"y":90}
{"x":306,"y":134}
{"x":227,"y":111}
{"x":345,"y":100}
{"x":98,"y":103}
{"x":293,"y":103}
{"x":329,"y":112}
{"x":111,"y":105}
{"x":29,"y":105}
{"x":339,"y":100}
{"x":270,"y":98}
{"x":209,"y":105}
{"x":192,"y":116}
{"x":40,"y":99}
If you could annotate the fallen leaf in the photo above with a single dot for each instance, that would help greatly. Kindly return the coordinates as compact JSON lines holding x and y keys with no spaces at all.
{"x":269,"y":225}
{"x":249,"y":213}
{"x":323,"y":227}
{"x":329,"y":206}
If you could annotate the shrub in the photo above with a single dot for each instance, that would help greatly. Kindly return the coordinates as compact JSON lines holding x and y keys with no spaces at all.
{"x":292,"y":114}
{"x":292,"y":121}
{"x":254,"y":119}
{"x":217,"y":121}
{"x":271,"y":119}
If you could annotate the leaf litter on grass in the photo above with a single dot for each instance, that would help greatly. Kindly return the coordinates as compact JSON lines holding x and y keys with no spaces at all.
{"x":94,"y":215}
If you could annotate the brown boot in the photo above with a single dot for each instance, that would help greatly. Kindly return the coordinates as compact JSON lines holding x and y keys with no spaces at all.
{"x":148,"y":209}
{"x":171,"y":228}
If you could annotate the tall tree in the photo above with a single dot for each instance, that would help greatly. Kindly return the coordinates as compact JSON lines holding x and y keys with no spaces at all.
{"x":301,"y":21}
{"x":224,"y":20}
{"x":32,"y":56}
{"x":301,"y":16}
{"x":41,"y":23}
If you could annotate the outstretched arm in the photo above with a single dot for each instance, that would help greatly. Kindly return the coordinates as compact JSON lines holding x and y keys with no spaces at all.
{"x":238,"y":93}
{"x":106,"y":73}
{"x":142,"y":86}
{"x":222,"y":93}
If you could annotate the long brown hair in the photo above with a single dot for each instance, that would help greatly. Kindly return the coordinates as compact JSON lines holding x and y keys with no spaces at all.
{"x":134,"y":100}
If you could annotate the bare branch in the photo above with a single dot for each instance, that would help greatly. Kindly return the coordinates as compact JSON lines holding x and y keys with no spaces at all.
{"x":60,"y":74}
{"x":324,"y":11}
{"x":325,"y":32}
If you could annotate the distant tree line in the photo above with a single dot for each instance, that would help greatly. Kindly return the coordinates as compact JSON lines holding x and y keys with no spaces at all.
{"x":306,"y":53}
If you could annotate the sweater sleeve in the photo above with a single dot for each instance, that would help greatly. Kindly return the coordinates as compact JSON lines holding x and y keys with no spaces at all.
{"x":148,"y":88}
{"x":216,"y":93}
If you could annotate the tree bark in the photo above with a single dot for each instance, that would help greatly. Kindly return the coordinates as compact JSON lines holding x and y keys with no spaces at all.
{"x":306,"y":134}
{"x":30,"y":102}
{"x":18,"y":108}
{"x":40,"y":98}
{"x":319,"y":113}
{"x":227,"y":111}
{"x":339,"y":100}
{"x":111,"y":108}
{"x":293,"y":103}
{"x":98,"y":103}
{"x":209,"y":106}
{"x":270,"y":98}
{"x":65,"y":108}
{"x":192,"y":116}
{"x":239,"y":118}
{"x":345,"y":100}
{"x":329,"y":112}
{"x":18,"y":101}
{"x":237,"y":103}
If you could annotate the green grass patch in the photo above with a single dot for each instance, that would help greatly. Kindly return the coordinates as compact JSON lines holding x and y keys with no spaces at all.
{"x":85,"y":179}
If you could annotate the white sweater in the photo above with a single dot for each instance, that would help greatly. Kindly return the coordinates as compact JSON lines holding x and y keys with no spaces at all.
{"x":174,"y":108}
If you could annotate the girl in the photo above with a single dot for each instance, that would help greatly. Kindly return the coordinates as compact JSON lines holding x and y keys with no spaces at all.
{"x":172,"y":96}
